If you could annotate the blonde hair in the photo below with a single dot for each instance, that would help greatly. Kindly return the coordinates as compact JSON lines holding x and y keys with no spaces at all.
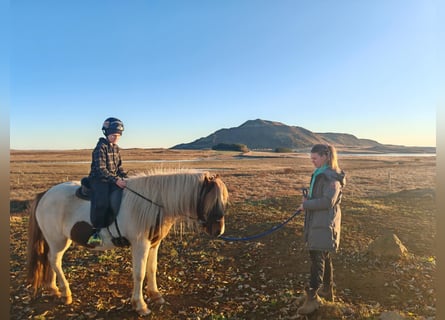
{"x":330,"y":152}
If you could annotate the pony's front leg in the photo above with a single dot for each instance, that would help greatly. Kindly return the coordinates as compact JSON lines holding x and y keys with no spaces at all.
{"x":55,"y":259}
{"x":152,"y":286}
{"x":140,"y":254}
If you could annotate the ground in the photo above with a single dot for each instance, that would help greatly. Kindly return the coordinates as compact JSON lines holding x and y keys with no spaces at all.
{"x":203,"y":278}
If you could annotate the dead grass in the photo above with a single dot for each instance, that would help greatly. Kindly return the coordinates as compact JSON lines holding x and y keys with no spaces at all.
{"x":246,"y":280}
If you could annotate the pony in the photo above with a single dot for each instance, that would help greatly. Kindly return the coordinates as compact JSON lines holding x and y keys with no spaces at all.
{"x":151,"y":204}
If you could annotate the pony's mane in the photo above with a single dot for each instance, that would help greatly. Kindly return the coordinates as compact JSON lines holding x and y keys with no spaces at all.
{"x":163,"y":171}
{"x":171,"y":193}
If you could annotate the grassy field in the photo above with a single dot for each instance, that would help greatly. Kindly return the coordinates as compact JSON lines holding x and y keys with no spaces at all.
{"x":202,"y":279}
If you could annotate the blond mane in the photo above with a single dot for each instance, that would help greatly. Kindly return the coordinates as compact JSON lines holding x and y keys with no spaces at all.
{"x":172,"y":194}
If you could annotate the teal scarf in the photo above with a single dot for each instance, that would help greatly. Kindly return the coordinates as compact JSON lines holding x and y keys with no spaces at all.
{"x":314,"y":175}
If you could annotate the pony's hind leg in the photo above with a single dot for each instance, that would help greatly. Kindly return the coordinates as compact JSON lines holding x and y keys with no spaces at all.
{"x":55,"y":256}
{"x":52,"y":285}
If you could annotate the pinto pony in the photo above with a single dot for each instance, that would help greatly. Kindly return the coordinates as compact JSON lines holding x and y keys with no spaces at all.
{"x":150,"y":205}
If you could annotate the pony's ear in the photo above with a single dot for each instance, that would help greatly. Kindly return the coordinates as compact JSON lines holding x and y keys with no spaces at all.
{"x":212,"y":177}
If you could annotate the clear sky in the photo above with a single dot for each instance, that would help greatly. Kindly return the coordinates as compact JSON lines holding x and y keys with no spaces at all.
{"x":175,"y":71}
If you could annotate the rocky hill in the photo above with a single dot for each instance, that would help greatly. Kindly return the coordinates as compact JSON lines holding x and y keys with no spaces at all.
{"x":269,"y":135}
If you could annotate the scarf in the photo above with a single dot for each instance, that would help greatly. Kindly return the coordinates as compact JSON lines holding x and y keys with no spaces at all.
{"x":314,"y":175}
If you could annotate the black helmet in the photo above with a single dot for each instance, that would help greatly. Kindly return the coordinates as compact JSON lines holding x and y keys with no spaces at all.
{"x":112,"y":125}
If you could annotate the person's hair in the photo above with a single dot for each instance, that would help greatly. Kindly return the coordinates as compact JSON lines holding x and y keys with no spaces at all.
{"x":329,"y":151}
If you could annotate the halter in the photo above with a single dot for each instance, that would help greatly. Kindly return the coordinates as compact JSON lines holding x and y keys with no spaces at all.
{"x":206,"y":187}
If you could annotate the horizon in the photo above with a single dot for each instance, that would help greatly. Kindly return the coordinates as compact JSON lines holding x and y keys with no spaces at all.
{"x":167,"y":148}
{"x":176,"y":72}
{"x":171,"y":147}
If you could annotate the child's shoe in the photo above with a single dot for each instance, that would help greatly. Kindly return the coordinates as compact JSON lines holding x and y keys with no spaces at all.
{"x":95,"y":240}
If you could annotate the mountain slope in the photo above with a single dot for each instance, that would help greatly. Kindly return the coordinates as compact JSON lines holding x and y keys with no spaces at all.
{"x":264,"y":134}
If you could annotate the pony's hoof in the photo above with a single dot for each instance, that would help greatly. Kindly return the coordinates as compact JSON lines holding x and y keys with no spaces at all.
{"x":144,"y":312}
{"x":55,"y":292}
{"x":68,"y":300}
{"x":158,"y":300}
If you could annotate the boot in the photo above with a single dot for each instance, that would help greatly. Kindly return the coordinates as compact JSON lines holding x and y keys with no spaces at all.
{"x":95,"y":239}
{"x":326,"y":292}
{"x":311,"y":303}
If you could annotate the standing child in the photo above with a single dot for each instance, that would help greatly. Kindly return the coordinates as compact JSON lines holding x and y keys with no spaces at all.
{"x":322,"y":224}
{"x":106,"y":175}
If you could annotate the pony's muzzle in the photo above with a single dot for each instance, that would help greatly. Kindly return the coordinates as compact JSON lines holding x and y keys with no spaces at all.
{"x":216,"y":228}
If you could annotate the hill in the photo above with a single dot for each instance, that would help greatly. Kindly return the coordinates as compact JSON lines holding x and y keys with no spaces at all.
{"x":269,"y":135}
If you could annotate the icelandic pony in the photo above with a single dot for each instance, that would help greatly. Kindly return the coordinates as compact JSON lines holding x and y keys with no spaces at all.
{"x":147,"y":212}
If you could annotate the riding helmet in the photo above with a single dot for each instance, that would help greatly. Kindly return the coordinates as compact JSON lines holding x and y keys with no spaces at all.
{"x":112,"y":125}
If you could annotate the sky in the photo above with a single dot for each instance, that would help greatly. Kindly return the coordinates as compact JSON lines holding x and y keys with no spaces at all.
{"x":175,"y":71}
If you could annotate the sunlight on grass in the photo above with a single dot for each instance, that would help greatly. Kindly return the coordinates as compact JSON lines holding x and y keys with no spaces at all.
{"x":360,"y":206}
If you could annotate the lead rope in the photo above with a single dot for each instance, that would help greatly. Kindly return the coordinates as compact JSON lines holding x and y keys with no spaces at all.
{"x":265,"y":233}
{"x":274,"y":228}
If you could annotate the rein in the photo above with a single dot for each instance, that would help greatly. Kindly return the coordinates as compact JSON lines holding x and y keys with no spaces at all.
{"x":121,"y":241}
{"x":143,"y":197}
{"x":200,"y":219}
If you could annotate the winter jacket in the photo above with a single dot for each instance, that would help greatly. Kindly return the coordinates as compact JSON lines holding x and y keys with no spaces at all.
{"x":322,"y":222}
{"x":106,"y":164}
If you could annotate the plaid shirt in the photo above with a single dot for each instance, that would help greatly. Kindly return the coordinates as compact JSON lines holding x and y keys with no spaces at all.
{"x":106,"y":163}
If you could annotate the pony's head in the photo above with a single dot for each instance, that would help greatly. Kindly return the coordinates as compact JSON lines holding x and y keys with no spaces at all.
{"x":212,"y":201}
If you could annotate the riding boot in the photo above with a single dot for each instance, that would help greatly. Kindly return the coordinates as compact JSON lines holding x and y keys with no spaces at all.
{"x":311,"y":303}
{"x":326,"y":292}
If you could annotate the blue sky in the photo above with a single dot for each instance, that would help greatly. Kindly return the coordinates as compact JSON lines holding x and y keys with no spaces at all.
{"x":176,"y":71}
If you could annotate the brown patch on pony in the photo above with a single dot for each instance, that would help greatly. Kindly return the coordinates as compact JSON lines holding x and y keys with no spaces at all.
{"x":39,"y":269}
{"x":81,"y":232}
{"x":161,"y":234}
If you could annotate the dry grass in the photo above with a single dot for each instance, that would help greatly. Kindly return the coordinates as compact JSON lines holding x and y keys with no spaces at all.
{"x":246,"y":280}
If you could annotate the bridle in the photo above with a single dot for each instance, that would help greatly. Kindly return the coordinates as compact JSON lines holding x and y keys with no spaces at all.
{"x":207,"y":186}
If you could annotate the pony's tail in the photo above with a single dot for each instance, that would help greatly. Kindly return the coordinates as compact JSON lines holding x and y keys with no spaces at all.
{"x":37,"y":260}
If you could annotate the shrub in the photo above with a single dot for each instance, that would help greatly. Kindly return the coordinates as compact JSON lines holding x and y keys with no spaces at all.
{"x":231,"y":147}
{"x":283,"y":150}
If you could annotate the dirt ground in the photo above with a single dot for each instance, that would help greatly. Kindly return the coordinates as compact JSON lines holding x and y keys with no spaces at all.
{"x":202,"y":278}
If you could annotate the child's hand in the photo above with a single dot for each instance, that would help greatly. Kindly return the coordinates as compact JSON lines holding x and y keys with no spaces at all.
{"x":121,"y":183}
